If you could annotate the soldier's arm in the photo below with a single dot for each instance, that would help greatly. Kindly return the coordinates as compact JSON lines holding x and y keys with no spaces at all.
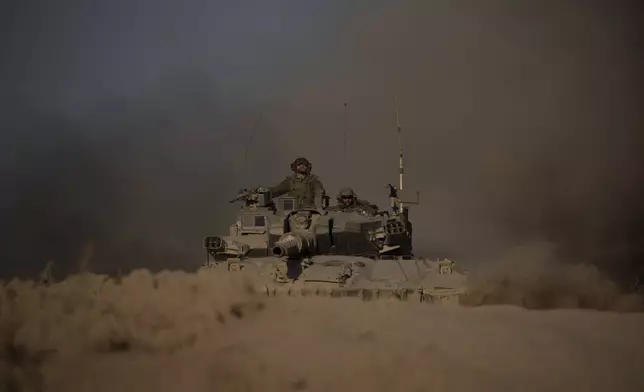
{"x":281,"y":188}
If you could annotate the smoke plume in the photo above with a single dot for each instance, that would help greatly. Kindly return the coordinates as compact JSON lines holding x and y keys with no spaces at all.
{"x":520,"y":123}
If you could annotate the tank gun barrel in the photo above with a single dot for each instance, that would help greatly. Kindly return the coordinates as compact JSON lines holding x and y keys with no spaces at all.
{"x":241,"y":196}
{"x":293,"y":245}
{"x":259,"y":195}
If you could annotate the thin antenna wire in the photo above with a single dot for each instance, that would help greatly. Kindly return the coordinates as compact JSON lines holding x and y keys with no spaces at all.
{"x":250,"y":140}
{"x":401,"y":170}
{"x":344,"y":131}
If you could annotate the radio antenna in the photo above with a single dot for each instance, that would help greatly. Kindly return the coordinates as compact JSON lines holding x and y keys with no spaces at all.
{"x":401,"y":169}
{"x":344,"y":133}
{"x":250,"y":140}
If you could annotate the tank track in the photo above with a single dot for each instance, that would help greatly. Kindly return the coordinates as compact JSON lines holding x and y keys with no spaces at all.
{"x":275,"y":283}
{"x":406,"y":295}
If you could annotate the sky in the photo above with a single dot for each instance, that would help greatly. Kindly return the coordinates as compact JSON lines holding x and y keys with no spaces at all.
{"x":86,"y":50}
{"x":125,"y":124}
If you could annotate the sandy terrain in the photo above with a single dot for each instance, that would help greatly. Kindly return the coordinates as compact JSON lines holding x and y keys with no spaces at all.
{"x":204,"y":332}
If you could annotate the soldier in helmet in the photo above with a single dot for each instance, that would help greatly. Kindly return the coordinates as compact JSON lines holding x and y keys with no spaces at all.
{"x":348,"y":202}
{"x":302,"y":185}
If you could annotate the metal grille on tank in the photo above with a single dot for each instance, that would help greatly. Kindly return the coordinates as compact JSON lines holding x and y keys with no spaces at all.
{"x":395,"y":227}
{"x":213,"y":242}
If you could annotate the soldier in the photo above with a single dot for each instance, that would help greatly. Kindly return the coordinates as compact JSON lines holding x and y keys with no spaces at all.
{"x":348,"y":202}
{"x":302,"y":185}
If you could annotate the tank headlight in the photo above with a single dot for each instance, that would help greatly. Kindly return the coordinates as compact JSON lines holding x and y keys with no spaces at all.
{"x":234,"y":267}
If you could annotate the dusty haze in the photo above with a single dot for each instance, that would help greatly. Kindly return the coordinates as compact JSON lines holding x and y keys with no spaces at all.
{"x":124,"y":129}
{"x":137,"y":333}
{"x":520,"y":123}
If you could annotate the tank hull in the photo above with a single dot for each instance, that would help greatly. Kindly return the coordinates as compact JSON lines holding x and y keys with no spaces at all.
{"x":409,"y":278}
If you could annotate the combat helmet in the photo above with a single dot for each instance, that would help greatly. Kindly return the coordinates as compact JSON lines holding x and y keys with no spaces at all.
{"x":300,"y":161}
{"x":346,"y":193}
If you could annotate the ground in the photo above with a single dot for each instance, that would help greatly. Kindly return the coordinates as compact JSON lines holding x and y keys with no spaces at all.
{"x":199,"y":332}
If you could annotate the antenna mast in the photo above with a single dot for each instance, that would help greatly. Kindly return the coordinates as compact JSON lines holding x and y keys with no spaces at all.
{"x":250,"y":140}
{"x":401,"y":170}
{"x":344,"y":133}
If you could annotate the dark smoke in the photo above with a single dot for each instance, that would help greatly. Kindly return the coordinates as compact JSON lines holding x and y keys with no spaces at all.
{"x":123,"y":125}
{"x":521,"y":122}
{"x":141,"y":179}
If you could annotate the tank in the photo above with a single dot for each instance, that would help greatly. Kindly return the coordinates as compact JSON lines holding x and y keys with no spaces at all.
{"x":304,"y":251}
{"x":322,"y":251}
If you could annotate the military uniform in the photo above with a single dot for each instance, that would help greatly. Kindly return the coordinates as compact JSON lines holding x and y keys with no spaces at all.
{"x":304,"y":189}
{"x":355,"y":205}
{"x":302,"y":186}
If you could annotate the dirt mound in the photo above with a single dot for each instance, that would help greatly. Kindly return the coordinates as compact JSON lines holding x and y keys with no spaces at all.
{"x":203,"y":332}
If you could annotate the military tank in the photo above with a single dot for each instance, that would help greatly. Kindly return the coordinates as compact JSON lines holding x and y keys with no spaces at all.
{"x":320,"y":251}
{"x":317,"y":251}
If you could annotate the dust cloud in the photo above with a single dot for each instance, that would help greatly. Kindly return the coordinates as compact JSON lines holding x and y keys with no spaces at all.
{"x":209,"y":331}
{"x":520,"y":123}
